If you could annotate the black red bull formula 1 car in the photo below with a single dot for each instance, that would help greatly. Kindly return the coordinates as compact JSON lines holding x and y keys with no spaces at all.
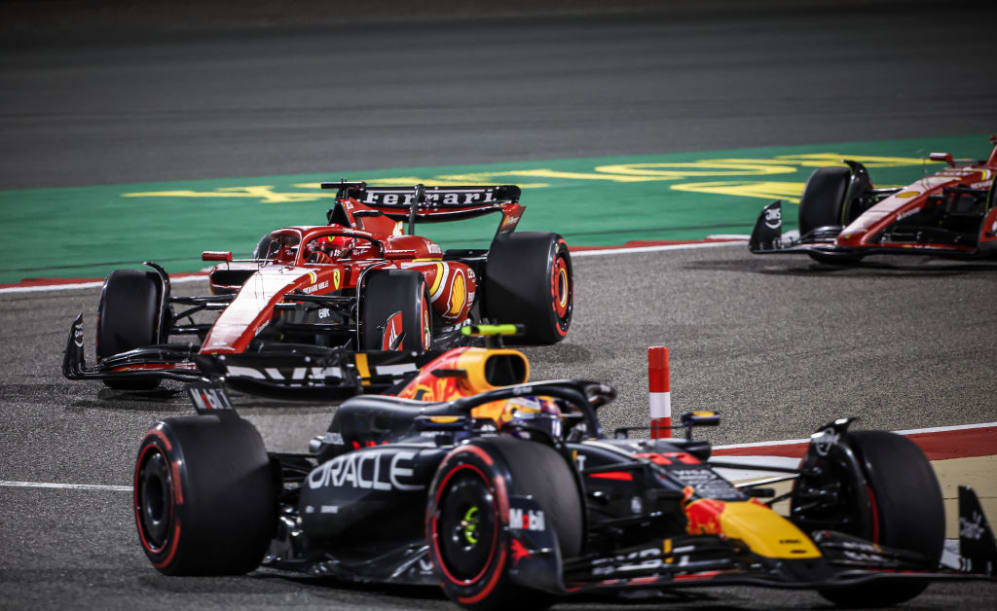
{"x":843,"y":217}
{"x":336,"y":308}
{"x":514,"y":496}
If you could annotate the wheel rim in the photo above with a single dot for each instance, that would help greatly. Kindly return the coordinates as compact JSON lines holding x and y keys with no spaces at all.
{"x":154,"y":506}
{"x":560,"y":293}
{"x":427,"y":330}
{"x":561,"y":289}
{"x":467,"y":528}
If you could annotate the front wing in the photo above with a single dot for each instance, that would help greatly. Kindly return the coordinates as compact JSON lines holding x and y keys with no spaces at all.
{"x":278,"y":370}
{"x":708,"y":560}
{"x":844,"y":561}
{"x":767,"y":238}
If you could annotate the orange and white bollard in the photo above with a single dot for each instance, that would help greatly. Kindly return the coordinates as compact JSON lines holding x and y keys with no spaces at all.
{"x":659,"y":396}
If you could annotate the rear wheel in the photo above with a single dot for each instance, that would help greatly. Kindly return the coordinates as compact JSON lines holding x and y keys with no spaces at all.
{"x":824,"y":203}
{"x":396,"y":312}
{"x":468,"y":541}
{"x":529,"y":280}
{"x":204,"y":496}
{"x":129,"y":316}
{"x":901,"y":508}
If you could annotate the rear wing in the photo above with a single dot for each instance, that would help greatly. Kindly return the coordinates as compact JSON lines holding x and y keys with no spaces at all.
{"x":432,"y":204}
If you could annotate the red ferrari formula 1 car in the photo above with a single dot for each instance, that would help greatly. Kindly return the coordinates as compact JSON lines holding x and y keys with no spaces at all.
{"x":343,"y":306}
{"x":507,"y":494}
{"x":844,"y":218}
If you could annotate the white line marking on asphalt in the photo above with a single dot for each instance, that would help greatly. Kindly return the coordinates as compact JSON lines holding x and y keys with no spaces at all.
{"x":942,"y":429}
{"x":82,"y":285}
{"x":935,"y":429}
{"x":625,"y":251}
{"x":65,"y":486}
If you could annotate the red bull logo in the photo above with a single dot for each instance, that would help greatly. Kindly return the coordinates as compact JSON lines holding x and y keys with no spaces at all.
{"x":766,"y":532}
{"x":703,"y":514}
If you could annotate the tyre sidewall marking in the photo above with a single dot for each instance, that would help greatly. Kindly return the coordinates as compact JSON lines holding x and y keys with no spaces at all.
{"x":558,"y":264}
{"x":468,"y":457}
{"x":163,"y":555}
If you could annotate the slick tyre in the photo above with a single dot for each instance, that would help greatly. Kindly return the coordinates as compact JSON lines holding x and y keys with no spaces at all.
{"x":205,"y":496}
{"x":907,"y":513}
{"x":824,"y":198}
{"x":823,"y":203}
{"x":396,"y":311}
{"x":466,"y":528}
{"x":129,"y":316}
{"x":529,"y":281}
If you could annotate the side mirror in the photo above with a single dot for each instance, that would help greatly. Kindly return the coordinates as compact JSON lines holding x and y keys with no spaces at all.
{"x":493,"y":333}
{"x":946,"y":157}
{"x":691,"y":419}
{"x":216,"y":255}
{"x":485,"y":330}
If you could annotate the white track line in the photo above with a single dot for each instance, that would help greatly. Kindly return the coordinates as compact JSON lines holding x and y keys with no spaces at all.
{"x":83,"y":285}
{"x":602,"y":252}
{"x":65,"y":486}
{"x":942,"y":429}
{"x":935,"y":429}
{"x":625,"y":251}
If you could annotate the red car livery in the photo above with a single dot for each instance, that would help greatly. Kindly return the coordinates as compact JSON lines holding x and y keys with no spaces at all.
{"x":339,"y":305}
{"x":843,"y":217}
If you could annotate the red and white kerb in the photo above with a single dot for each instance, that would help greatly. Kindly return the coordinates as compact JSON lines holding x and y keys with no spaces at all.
{"x":659,"y":396}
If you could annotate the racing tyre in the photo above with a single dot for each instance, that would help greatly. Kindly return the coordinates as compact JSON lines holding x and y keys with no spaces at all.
{"x":205,"y":496}
{"x":129,"y":316}
{"x":469,"y":542}
{"x":396,"y":305}
{"x":529,"y":281}
{"x":907,"y":513}
{"x":823,"y":203}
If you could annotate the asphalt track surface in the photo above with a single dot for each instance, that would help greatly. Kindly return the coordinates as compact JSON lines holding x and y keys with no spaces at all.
{"x":345,"y":99}
{"x":780,"y":345}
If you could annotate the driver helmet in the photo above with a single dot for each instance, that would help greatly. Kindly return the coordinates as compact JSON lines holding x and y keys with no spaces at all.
{"x":331,"y":247}
{"x":532,"y":412}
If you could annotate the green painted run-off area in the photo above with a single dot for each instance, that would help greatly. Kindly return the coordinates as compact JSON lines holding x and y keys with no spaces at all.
{"x":85,"y":232}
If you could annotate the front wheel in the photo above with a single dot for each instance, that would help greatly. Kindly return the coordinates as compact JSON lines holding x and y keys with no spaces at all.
{"x":396,"y":312}
{"x":468,"y":508}
{"x":901,"y":507}
{"x":826,"y":201}
{"x":205,"y":498}
{"x":529,"y":280}
{"x":131,"y":314}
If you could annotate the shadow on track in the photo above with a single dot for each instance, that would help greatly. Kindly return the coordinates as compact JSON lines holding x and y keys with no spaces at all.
{"x":636,"y":601}
{"x":872,"y":269}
